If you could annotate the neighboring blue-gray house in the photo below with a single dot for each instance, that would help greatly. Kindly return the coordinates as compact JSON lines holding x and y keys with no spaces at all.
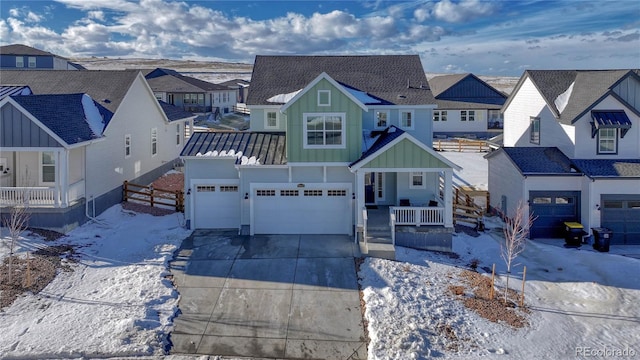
{"x":22,"y":57}
{"x":467,"y":107}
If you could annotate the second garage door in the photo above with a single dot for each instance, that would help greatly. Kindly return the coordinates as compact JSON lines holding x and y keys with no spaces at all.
{"x":302,"y":211}
{"x":216,"y":206}
{"x":621,"y":214}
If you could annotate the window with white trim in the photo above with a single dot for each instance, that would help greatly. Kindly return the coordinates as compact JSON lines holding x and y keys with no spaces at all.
{"x":324,"y":131}
{"x":154,"y":141}
{"x":467,"y":115}
{"x":271,"y":120}
{"x":607,"y":141}
{"x":534,"y":130}
{"x":417,"y":180}
{"x":178,"y":134}
{"x":127,"y":146}
{"x":48,"y":166}
{"x":324,"y":97}
{"x":197,"y":99}
{"x":406,"y":119}
{"x":32,"y":61}
{"x":440,"y":115}
{"x":19,"y":61}
{"x":382,"y":119}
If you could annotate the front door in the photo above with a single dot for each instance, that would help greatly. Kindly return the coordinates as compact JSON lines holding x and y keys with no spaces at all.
{"x":374,"y":188}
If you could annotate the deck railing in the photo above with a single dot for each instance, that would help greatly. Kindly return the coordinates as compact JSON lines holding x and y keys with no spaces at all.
{"x":418,"y":216}
{"x":32,"y":196}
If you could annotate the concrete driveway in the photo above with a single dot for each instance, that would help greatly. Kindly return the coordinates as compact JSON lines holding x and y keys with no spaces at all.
{"x":271,"y":296}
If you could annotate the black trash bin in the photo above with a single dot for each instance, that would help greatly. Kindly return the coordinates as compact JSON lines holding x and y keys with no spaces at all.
{"x":601,"y":239}
{"x":573,"y":233}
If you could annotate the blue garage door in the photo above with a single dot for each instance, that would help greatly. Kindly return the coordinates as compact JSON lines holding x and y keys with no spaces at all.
{"x":551,"y":209}
{"x":621,"y":214}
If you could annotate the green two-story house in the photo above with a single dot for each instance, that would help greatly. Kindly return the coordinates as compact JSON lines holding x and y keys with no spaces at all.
{"x":337,"y":145}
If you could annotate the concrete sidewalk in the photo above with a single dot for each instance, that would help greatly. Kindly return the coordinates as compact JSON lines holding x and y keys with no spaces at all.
{"x":274,"y":296}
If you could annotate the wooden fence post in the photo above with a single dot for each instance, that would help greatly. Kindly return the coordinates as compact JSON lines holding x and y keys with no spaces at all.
{"x":524,"y":277}
{"x":493,"y":275}
{"x":125,"y":189}
{"x":151,"y":195}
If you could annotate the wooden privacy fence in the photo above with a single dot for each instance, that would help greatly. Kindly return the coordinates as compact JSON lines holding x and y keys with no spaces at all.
{"x":153,"y":196}
{"x":465,"y":208}
{"x":460,"y":145}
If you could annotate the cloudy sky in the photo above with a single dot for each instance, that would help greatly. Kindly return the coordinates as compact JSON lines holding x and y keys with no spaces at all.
{"x":479,"y":36}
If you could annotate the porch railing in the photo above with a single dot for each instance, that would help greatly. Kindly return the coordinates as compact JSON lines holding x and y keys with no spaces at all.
{"x":76,"y":191}
{"x":414,"y":215}
{"x":33,"y":196}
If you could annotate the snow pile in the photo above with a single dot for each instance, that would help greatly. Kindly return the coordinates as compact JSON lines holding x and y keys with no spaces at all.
{"x":283,"y":98}
{"x":114,"y":302}
{"x":92,"y":115}
{"x":563,"y":99}
{"x":579,"y":300}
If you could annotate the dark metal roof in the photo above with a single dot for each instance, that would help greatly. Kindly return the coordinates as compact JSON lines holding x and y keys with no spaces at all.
{"x":611,"y":119}
{"x":168,"y":80}
{"x":395,"y":79}
{"x":266,"y":148}
{"x":106,"y":87}
{"x":385,"y":137}
{"x":538,"y":160}
{"x":9,"y":90}
{"x":68,"y":119}
{"x":609,"y":167}
{"x":174,"y":112}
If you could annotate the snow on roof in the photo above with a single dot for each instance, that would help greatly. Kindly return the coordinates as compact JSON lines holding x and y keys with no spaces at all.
{"x":244,"y":160}
{"x":563,"y":99}
{"x":362,"y":96}
{"x":283,"y":98}
{"x":92,"y":115}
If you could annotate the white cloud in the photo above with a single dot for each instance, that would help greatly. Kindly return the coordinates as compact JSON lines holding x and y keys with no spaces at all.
{"x":96,"y":15}
{"x":421,"y":14}
{"x":463,"y":11}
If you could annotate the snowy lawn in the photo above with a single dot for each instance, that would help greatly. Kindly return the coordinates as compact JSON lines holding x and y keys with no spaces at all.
{"x":114,"y":301}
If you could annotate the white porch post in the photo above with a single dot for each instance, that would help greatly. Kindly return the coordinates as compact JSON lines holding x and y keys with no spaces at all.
{"x":359,"y":196}
{"x":448,"y":198}
{"x":63,"y":170}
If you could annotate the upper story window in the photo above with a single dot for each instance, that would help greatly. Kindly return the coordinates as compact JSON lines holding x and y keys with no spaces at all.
{"x":607,"y":141}
{"x":127,"y":145}
{"x":154,"y":141}
{"x":382,"y":119}
{"x":324,"y":97}
{"x":440,"y":115}
{"x":417,"y":180}
{"x":406,"y":119}
{"x":324,"y":131}
{"x":468,"y":115}
{"x":271,"y":120}
{"x":32,"y":61}
{"x":48,"y":166}
{"x":534,"y":130}
{"x":19,"y":61}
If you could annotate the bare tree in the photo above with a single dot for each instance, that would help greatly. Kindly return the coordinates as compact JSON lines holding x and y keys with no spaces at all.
{"x":16,"y":221}
{"x":516,"y":232}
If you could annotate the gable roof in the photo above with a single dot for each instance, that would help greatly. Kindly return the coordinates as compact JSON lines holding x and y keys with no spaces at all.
{"x":465,"y":91}
{"x":249,"y":148}
{"x":173,"y":112}
{"x":168,"y":80}
{"x":20,"y":49}
{"x":106,"y":87}
{"x":346,"y":91}
{"x":68,"y":121}
{"x":395,"y":79}
{"x":235,"y":83}
{"x":537,"y":160}
{"x":588,"y":87}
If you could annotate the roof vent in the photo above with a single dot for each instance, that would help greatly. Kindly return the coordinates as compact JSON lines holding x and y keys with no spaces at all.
{"x":106,"y":101}
{"x":400,"y":96}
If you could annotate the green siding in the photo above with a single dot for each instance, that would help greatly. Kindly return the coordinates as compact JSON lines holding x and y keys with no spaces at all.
{"x":340,"y":103}
{"x":405,"y":155}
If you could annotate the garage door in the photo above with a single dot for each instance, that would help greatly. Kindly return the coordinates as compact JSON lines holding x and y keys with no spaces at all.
{"x":216,"y":206}
{"x":551,"y":209}
{"x":302,"y":211}
{"x":621,"y":214}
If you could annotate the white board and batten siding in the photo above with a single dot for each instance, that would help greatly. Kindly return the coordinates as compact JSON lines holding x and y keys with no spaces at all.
{"x":311,"y":208}
{"x":506,"y":184}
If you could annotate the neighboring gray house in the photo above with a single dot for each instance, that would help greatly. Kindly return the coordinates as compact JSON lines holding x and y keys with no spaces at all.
{"x":572,"y":152}
{"x":22,"y":57}
{"x":69,"y":146}
{"x":467,"y":107}
{"x":241,"y":86}
{"x":191,"y":94}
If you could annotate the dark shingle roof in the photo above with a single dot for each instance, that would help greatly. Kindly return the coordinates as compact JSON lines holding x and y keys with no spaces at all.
{"x":234,"y":83}
{"x":388,"y":135}
{"x":396,"y":79}
{"x":465,"y":91}
{"x":174,"y":112}
{"x":168,"y":80}
{"x":609,"y":167}
{"x":19,"y":49}
{"x":441,"y":83}
{"x":267,"y":148}
{"x":106,"y":87}
{"x":539,"y":160}
{"x":68,"y":119}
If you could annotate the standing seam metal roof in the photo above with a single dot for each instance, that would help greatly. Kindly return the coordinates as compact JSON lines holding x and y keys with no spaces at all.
{"x":268,"y":148}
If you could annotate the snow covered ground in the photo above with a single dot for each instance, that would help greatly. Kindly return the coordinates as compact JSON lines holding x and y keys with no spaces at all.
{"x":114,"y":302}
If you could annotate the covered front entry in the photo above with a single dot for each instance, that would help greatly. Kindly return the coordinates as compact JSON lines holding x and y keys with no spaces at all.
{"x":621,"y":214}
{"x":551,"y":209}
{"x":216,"y":206}
{"x":301,"y":209}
